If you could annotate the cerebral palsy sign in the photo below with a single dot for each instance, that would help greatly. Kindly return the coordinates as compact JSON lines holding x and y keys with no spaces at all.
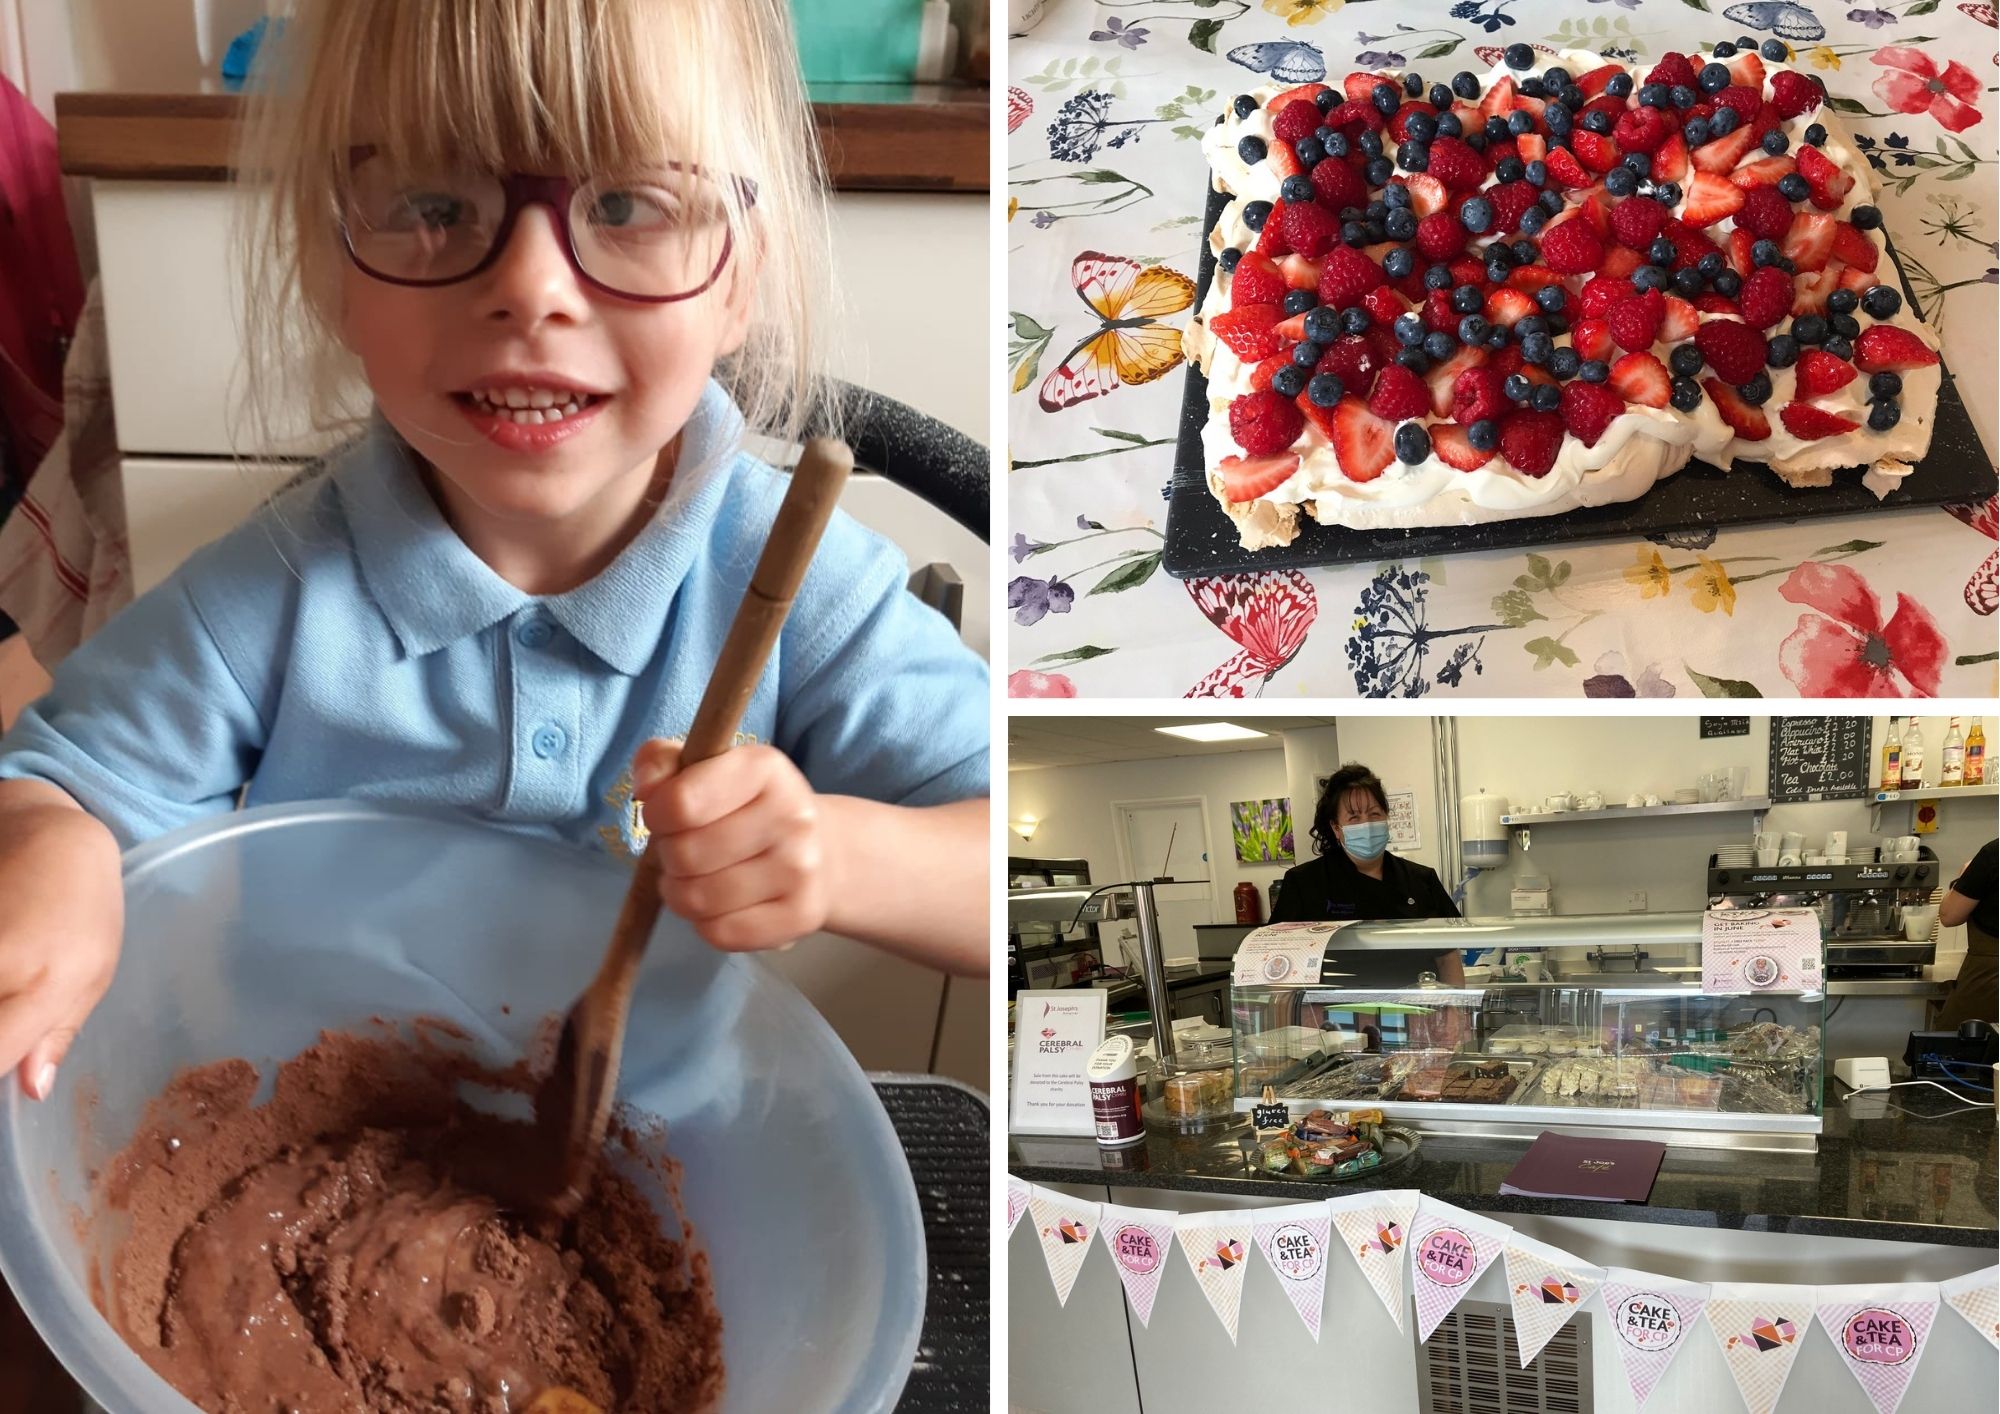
{"x":1880,"y":1331}
{"x":1448,"y":1250}
{"x":1293,"y":1240}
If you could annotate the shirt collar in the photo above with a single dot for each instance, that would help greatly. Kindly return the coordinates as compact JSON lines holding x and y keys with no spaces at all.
{"x":434,"y":590}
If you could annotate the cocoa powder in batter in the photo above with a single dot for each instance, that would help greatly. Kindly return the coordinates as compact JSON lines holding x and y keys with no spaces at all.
{"x":328,"y":1250}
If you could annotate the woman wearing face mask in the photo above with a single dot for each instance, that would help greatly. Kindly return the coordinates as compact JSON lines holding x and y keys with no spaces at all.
{"x":1355,"y":877}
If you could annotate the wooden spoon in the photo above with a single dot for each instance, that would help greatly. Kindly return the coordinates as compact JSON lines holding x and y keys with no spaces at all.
{"x":573,"y":1105}
{"x":562,"y":1401}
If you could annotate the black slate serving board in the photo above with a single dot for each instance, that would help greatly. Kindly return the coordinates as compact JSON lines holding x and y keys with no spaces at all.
{"x":1201,"y":539}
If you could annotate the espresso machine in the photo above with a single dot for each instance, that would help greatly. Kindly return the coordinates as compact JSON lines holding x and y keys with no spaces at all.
{"x":1860,"y":908}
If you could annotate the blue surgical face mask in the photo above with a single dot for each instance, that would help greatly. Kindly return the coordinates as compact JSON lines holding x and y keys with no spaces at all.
{"x":1366,"y":841}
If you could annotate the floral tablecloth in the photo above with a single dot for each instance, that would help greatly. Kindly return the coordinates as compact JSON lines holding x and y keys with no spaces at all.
{"x":1106,"y":105}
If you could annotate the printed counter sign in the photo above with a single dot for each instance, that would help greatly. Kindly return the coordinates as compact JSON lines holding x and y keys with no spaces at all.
{"x":1648,"y":1321}
{"x":1449,"y":1249}
{"x":1650,"y":1315}
{"x":1138,"y":1240}
{"x":1880,"y":1331}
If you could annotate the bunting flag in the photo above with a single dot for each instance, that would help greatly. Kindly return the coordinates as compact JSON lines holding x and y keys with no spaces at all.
{"x":1017,"y":1202}
{"x":1217,"y":1248}
{"x":1546,"y":1285}
{"x":1976,"y":1296}
{"x":1065,"y":1227}
{"x":1449,"y":1248}
{"x":1138,"y":1240}
{"x":1760,"y":1329}
{"x":1880,"y":1330}
{"x":1650,"y":1316}
{"x":1293,"y":1240}
{"x":1375,"y":1229}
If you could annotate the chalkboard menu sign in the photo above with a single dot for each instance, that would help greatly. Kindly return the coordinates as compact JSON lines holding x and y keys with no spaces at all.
{"x":1820,"y":758}
{"x":1724,"y":726}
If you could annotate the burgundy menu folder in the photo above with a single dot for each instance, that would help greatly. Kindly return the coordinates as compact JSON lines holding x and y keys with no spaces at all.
{"x":1593,"y":1169}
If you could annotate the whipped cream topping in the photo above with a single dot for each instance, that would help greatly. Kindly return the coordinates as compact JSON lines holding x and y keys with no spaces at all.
{"x":1640,"y":447}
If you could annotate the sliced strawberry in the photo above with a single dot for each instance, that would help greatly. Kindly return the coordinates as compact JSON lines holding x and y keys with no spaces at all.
{"x":1810,"y":241}
{"x":1885,"y":346}
{"x":1291,"y":327}
{"x":1363,"y":443}
{"x":1565,"y":171}
{"x":1594,"y":150}
{"x":1852,"y":245}
{"x":1256,"y":280}
{"x":1360,"y":88}
{"x":1820,"y":373}
{"x":1469,"y":270}
{"x":1670,"y":163}
{"x":1535,"y":108}
{"x":1427,"y":194}
{"x":1720,"y":155}
{"x":1263,"y":373}
{"x":1534,"y":147}
{"x":1641,"y":378}
{"x":1810,"y":289}
{"x":1454,"y":447}
{"x":1597,"y":205}
{"x":1828,"y":184}
{"x":1383,"y":305}
{"x":1399,"y":123}
{"x":1709,"y":302}
{"x":1745,"y":419}
{"x":1298,"y":272}
{"x":1499,"y":99}
{"x":1764,"y":172}
{"x":1248,"y":331}
{"x":1747,"y":69}
{"x":1508,"y":307}
{"x":1740,"y":244}
{"x":1271,"y":240}
{"x":1810,"y":423}
{"x":1593,"y":83}
{"x":1304,"y":93}
{"x":1444,"y":375}
{"x":1247,"y":478}
{"x":1856,"y":280}
{"x":1283,"y":160}
{"x":1681,"y":321}
{"x":1591,"y":338}
{"x":1621,"y":261}
{"x":1710,"y":198}
{"x":1532,"y":277}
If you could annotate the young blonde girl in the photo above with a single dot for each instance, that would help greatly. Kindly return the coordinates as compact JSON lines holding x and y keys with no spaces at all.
{"x":573,"y":250}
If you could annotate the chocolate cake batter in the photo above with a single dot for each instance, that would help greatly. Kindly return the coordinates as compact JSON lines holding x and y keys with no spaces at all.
{"x":329,"y":1250}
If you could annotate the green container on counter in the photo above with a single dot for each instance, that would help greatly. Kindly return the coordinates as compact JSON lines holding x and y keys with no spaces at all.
{"x":858,"y":41}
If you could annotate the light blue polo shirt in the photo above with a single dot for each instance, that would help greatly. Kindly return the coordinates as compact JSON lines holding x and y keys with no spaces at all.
{"x":344,"y":642}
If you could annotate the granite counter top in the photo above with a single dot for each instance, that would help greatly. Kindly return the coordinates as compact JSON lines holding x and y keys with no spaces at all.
{"x":1901,"y":1167}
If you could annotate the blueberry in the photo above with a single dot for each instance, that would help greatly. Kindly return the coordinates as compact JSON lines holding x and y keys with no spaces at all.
{"x":1597,"y":121}
{"x":1546,"y":398}
{"x":1473,"y":328}
{"x":1881,"y":302}
{"x":1845,"y":325}
{"x":1311,"y":151}
{"x":1723,"y":121}
{"x":1757,"y":391}
{"x":1764,"y":252}
{"x":1394,"y":197}
{"x":1883,"y":416}
{"x":1682,"y":97}
{"x":1464,"y":84}
{"x":1353,"y":233}
{"x":1475,"y":140}
{"x":1439,"y":343}
{"x":1694,"y":132}
{"x":1289,"y":380}
{"x":1307,"y":354}
{"x":1593,"y":370}
{"x":1729,"y":284}
{"x":1399,"y":262}
{"x":1437,"y":277}
{"x":1413,"y":444}
{"x":1638,"y":164}
{"x":1685,"y":394}
{"x":1401,"y":224}
{"x":1620,"y":181}
{"x":1421,"y":126}
{"x":1379,"y":170}
{"x":1744,"y":41}
{"x":1484,"y":435}
{"x":1713,"y":78}
{"x":1245,"y":105}
{"x":1687,"y":283}
{"x":1839,"y":345}
{"x":1667,"y":193}
{"x":1448,"y":125}
{"x":1414,"y":359}
{"x":1885,"y":384}
{"x":1534,"y":88}
{"x":1520,"y":123}
{"x":1227,"y":260}
{"x":1371,"y":142}
{"x":1711,"y":265}
{"x":1552,"y":201}
{"x":1466,"y":299}
{"x":1558,"y":325}
{"x":1782,"y":351}
{"x":1518,"y":56}
{"x":1413,"y":84}
{"x":1793,"y":187}
{"x":1335,"y":143}
{"x":1354,"y":321}
{"x":1661,"y":251}
{"x":1327,"y":101}
{"x":1413,"y":157}
{"x":1497,"y":268}
{"x":1510,"y":169}
{"x":1556,"y":77}
{"x":1299,"y":301}
{"x":1379,"y":207}
{"x":1775,"y":142}
{"x":1517,"y":387}
{"x":1649,"y":277}
{"x":1325,"y":389}
{"x":1809,"y":329}
{"x":1386,"y":99}
{"x":1251,"y":149}
{"x":1408,"y":328}
{"x":1867,"y":218}
{"x":1440,"y":97}
{"x":1774,"y":50}
{"x":1297,"y":188}
{"x":1530,"y":324}
{"x":1652,"y":95}
{"x":1256,"y":213}
{"x":1685,"y":360}
{"x":1557,"y":116}
{"x":1619,"y":86}
{"x":1496,"y":129}
{"x":1552,"y":298}
{"x":1323,"y":324}
{"x":1564,"y":362}
{"x":1533,"y":219}
{"x":1815,"y":134}
{"x":1537,"y":348}
{"x":1535,"y":173}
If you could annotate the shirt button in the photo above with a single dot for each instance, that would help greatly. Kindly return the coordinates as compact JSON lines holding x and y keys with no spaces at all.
{"x":549,"y":740}
{"x":535,"y":633}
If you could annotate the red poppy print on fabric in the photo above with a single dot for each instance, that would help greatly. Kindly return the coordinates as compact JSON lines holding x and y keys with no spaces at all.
{"x":1844,"y":649}
{"x":1912,"y":82}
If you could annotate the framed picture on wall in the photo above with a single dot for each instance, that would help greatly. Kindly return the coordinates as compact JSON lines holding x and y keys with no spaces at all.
{"x":1262,"y":830}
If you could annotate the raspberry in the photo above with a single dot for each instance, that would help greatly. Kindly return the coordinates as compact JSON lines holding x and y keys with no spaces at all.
{"x":1530,"y":440}
{"x":1398,"y":394}
{"x":1766,"y":297}
{"x":1256,"y":281}
{"x":1793,"y":93}
{"x":1356,"y":361}
{"x":1383,"y":305}
{"x":1350,"y":114}
{"x":1509,"y":200}
{"x":1736,"y":351}
{"x":1635,"y":322}
{"x":1673,"y":70}
{"x":1440,"y":235}
{"x":1456,"y":165}
{"x":1745,"y":101}
{"x":1295,"y":121}
{"x":1587,"y":409}
{"x":1637,"y":219}
{"x":1600,"y":292}
{"x":1690,"y":245}
{"x":1572,"y":249}
{"x":1477,"y":395}
{"x":1346,"y":276}
{"x":1765,"y":214}
{"x":1309,"y":227}
{"x":1264,"y":424}
{"x":1642,"y":130}
{"x":1338,"y":185}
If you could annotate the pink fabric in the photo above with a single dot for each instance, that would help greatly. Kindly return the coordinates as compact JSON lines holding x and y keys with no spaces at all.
{"x":41,"y":288}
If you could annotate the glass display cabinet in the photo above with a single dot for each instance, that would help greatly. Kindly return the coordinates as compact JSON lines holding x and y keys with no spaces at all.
{"x":1634,"y":1049}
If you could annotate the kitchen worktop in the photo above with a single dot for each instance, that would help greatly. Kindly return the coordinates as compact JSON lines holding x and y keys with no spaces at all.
{"x":1923,"y":1173}
{"x":877,"y":137}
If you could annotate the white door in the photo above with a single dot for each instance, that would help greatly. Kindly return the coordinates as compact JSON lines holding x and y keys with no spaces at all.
{"x":1169,"y":839}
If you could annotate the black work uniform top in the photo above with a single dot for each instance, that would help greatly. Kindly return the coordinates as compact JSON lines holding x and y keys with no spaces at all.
{"x":1330,"y":889}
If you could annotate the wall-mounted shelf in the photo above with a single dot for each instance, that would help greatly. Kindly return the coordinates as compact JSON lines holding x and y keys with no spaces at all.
{"x":1753,"y":804}
{"x":1910,"y":797}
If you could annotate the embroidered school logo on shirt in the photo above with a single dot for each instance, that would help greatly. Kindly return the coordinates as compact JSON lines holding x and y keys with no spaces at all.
{"x":625,"y":839}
